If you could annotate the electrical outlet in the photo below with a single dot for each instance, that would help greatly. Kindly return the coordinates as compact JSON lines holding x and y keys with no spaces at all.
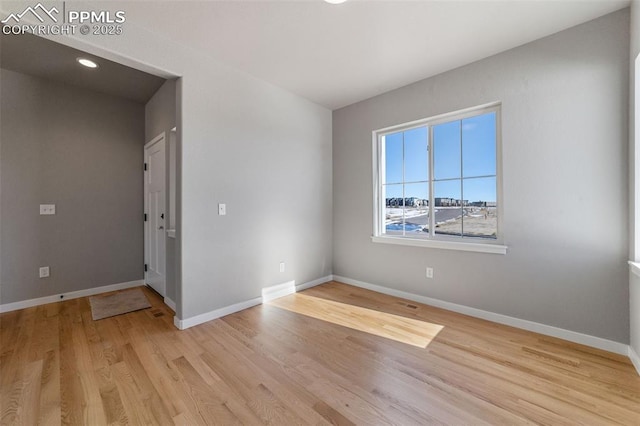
{"x":429,"y":272}
{"x":47,"y":209}
{"x":44,"y":272}
{"x":281,"y":266}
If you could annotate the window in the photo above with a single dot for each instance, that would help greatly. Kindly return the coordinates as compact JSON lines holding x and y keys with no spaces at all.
{"x":437,"y":180}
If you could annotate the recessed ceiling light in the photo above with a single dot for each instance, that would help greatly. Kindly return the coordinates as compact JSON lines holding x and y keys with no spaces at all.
{"x":87,"y":63}
{"x":335,"y":1}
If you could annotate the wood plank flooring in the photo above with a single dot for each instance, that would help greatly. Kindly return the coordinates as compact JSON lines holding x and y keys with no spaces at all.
{"x":302,"y":360}
{"x":406,"y":330}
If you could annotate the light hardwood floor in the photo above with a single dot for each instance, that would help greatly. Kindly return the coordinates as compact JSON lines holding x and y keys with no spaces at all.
{"x":291,"y":362}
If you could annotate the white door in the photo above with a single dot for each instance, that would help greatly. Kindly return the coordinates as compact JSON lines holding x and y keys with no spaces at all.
{"x":154,"y":206}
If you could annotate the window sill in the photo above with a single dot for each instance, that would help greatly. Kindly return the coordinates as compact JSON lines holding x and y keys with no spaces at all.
{"x":635,"y":267}
{"x":445,"y":245}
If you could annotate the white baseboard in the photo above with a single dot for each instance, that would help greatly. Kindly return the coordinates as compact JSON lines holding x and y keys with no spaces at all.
{"x":572,"y":336}
{"x":215,"y":314}
{"x":314,"y":283}
{"x":276,"y":291}
{"x":635,"y":359}
{"x":268,"y":293}
{"x":170,"y":303}
{"x":290,"y":287}
{"x":8,"y":307}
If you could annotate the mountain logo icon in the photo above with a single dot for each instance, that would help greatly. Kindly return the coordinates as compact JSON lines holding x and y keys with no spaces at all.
{"x":38,"y":11}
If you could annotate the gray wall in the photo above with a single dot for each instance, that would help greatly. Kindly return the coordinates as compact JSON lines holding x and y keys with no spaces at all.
{"x":80,"y":150}
{"x":160,"y":116}
{"x":634,"y":302}
{"x":634,"y":174}
{"x":266,"y":154}
{"x":565,"y":137}
{"x":263,"y":151}
{"x":160,"y":111}
{"x":634,"y":281}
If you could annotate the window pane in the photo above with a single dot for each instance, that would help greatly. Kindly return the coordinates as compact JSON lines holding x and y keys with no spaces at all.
{"x":457,"y":160}
{"x":447,"y":207}
{"x":394,"y":209}
{"x":416,"y":155}
{"x":479,"y":145}
{"x":446,"y":150}
{"x":481,"y":218}
{"x":416,"y":211}
{"x":393,"y":158}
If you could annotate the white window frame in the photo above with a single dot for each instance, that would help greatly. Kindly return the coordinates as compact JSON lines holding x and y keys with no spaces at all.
{"x":478,"y":244}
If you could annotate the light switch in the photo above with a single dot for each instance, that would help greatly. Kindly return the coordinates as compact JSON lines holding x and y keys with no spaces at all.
{"x":47,"y":209}
{"x":222,"y":209}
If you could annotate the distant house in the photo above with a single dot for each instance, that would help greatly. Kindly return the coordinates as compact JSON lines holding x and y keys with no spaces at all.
{"x":412,"y":202}
{"x":394,"y":202}
{"x":444,"y":202}
{"x":406,"y":202}
{"x":483,"y":204}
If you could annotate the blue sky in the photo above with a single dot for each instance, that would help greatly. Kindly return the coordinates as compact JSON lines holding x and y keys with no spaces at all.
{"x":478,"y":159}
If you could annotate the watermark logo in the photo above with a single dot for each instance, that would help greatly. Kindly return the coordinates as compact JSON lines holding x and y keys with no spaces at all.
{"x":69,"y":22}
{"x":16,"y":17}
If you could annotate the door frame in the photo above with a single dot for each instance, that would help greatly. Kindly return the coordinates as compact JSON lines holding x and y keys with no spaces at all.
{"x":161,"y":138}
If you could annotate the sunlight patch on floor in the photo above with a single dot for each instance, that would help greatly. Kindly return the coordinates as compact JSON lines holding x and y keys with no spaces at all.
{"x":406,"y":330}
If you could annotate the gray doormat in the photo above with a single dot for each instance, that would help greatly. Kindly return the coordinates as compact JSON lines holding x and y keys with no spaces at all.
{"x":117,"y":304}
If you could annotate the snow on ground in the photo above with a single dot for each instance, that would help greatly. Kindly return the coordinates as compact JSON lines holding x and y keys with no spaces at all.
{"x":394,"y":213}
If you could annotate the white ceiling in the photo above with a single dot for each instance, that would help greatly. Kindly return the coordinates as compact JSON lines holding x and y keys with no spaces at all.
{"x":336,"y":55}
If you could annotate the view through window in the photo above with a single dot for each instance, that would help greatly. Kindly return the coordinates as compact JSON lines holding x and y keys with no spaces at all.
{"x":439,"y":178}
